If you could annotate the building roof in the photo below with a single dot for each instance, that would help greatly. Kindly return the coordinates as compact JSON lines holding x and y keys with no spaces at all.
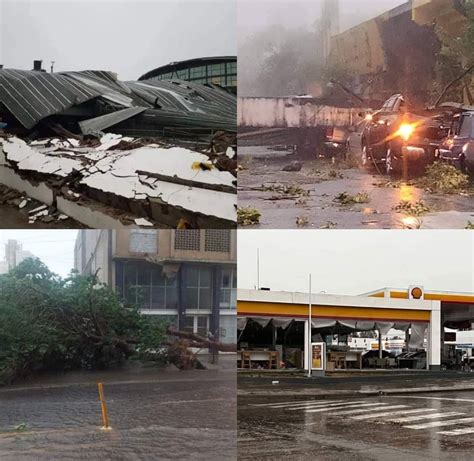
{"x":431,"y":295}
{"x":179,"y":65}
{"x":178,"y":105}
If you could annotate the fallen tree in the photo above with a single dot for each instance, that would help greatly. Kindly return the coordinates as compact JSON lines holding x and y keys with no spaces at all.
{"x":50,"y":323}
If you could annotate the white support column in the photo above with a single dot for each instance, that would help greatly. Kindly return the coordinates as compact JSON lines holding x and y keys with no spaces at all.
{"x":307,"y":355}
{"x":434,"y":337}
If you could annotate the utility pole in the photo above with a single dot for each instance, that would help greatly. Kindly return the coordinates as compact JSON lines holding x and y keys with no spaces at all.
{"x":258,"y":268}
{"x":52,"y":66}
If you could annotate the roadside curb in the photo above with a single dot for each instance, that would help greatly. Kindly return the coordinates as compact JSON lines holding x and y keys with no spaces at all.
{"x":311,"y":392}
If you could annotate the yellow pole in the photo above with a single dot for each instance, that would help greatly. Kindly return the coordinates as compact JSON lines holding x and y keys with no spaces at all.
{"x":103,"y":406}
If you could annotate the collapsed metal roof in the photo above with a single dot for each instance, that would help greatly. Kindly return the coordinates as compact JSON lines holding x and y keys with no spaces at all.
{"x":157,"y":106}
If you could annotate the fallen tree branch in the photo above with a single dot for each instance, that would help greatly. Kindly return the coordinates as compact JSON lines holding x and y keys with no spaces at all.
{"x":200,"y":340}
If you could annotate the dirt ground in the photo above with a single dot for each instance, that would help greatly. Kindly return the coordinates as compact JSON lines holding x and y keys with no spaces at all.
{"x":307,"y":198}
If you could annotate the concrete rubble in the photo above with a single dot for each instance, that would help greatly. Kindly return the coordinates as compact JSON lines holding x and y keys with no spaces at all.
{"x":119,"y":181}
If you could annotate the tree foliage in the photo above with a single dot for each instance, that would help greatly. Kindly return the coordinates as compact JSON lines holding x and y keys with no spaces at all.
{"x":50,"y":323}
{"x":456,"y":54}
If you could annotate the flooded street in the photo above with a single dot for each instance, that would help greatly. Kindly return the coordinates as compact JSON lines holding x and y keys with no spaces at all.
{"x":153,"y":415}
{"x":323,"y":182}
{"x":411,"y":427}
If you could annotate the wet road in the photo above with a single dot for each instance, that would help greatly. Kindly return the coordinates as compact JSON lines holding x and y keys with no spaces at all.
{"x":264,"y":167}
{"x":184,"y":416}
{"x":437,"y":426}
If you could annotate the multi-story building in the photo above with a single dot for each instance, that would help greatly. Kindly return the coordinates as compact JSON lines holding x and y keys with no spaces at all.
{"x":185,"y":276}
{"x":380,"y":60}
{"x":14,"y":255}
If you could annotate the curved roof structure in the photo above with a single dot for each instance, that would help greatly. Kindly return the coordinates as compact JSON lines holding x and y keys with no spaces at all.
{"x":180,"y":65}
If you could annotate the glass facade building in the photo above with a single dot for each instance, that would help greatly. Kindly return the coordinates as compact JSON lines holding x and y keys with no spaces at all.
{"x":218,"y":70}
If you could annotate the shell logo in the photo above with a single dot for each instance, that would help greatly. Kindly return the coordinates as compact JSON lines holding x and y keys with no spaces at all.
{"x":416,"y":292}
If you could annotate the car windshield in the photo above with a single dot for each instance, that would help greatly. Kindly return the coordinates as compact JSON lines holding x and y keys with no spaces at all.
{"x":466,"y":129}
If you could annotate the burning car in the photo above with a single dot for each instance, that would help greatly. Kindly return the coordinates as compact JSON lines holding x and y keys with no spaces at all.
{"x":458,"y":147}
{"x":402,"y":141}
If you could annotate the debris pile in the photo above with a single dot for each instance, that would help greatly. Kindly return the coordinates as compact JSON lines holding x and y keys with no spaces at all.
{"x":444,"y":178}
{"x":111,"y":153}
{"x":134,"y":182}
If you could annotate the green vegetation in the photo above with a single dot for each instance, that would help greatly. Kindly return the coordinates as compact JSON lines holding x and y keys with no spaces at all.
{"x":50,"y":323}
{"x":418,"y":208}
{"x":346,"y":199}
{"x":247,"y":216}
{"x":444,"y":178}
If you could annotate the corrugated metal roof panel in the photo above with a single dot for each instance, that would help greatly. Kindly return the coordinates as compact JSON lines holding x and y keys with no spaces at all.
{"x":33,"y":96}
{"x":94,"y":125}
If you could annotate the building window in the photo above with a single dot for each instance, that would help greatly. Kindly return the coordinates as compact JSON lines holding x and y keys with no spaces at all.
{"x":228,"y":297}
{"x":143,"y":241}
{"x":216,"y":69}
{"x":187,"y":239}
{"x":143,"y":285}
{"x":198,"y":324}
{"x":197,"y":290}
{"x":196,"y":72}
{"x":183,"y":74}
{"x":217,"y":240}
{"x":232,"y":68}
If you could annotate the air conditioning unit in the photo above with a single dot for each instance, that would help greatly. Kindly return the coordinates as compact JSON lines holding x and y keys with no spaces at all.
{"x":416,"y":292}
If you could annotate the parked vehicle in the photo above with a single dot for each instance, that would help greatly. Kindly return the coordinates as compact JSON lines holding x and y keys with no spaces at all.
{"x":402,"y":141}
{"x":336,"y":142}
{"x":458,"y":147}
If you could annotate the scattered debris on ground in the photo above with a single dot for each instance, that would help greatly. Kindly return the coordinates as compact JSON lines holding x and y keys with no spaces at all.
{"x":417,"y":208}
{"x":286,"y":189}
{"x":328,"y":225}
{"x":301,"y":221}
{"x":32,"y":209}
{"x":346,"y":199}
{"x":22,"y":427}
{"x":411,"y":222}
{"x":293,"y":166}
{"x":248,"y":216}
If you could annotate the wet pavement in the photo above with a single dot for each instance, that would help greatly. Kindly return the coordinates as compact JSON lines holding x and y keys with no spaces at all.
{"x":263,"y":166}
{"x":353,"y":383}
{"x":153,"y":415}
{"x":438,"y":426}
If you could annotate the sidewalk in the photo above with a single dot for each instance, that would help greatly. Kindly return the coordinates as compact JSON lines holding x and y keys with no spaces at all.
{"x":406,"y":382}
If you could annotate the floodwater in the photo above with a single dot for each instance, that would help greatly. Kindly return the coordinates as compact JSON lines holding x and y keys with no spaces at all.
{"x":319,"y":210}
{"x":153,"y":415}
{"x":413,"y":427}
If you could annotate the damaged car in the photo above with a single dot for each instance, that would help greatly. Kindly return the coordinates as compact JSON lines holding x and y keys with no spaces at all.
{"x":458,"y":147}
{"x":402,"y":141}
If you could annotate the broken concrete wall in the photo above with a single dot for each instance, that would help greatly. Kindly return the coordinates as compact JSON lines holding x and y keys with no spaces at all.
{"x":152,"y":185}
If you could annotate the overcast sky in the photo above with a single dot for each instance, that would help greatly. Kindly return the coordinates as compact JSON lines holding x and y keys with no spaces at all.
{"x":256,"y":15}
{"x":54,"y":247}
{"x":127,"y":37}
{"x":354,"y":262}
